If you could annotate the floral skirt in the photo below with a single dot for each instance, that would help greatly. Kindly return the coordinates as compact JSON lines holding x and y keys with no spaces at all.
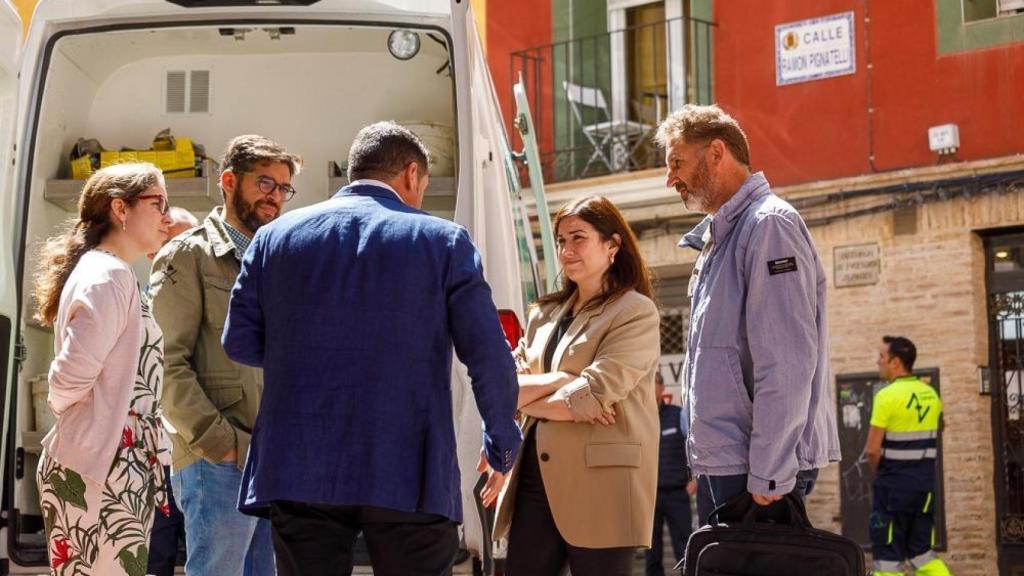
{"x":100,"y":530}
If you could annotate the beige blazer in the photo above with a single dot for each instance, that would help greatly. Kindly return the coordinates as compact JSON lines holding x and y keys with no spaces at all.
{"x":600,"y":480}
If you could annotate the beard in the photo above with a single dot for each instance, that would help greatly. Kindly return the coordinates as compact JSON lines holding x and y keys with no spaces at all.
{"x":249,"y":214}
{"x":699,"y":195}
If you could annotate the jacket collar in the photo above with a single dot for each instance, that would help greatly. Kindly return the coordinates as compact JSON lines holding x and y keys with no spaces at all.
{"x":578,"y":325}
{"x":218,"y":236}
{"x":721,"y":224}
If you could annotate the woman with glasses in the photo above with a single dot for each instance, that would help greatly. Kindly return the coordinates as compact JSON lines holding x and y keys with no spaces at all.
{"x":101,"y":473}
{"x":582,"y":493}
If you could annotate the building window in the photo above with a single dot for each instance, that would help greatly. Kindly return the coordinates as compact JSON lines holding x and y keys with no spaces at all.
{"x":675,"y":324}
{"x":975,"y":10}
{"x":965,"y":25}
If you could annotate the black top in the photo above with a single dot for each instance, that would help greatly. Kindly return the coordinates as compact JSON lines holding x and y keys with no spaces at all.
{"x":560,"y":330}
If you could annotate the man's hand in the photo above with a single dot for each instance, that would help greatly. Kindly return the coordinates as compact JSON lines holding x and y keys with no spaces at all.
{"x":495,"y":482}
{"x":230,"y":458}
{"x":764,"y":499}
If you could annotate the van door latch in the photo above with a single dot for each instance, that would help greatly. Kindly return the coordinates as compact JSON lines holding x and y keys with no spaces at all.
{"x":20,"y":351}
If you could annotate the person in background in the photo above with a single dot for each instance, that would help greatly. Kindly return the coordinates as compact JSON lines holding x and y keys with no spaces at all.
{"x":901,"y":449}
{"x":675,"y":486}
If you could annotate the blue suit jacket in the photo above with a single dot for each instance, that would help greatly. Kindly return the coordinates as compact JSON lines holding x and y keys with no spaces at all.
{"x":351,"y":306}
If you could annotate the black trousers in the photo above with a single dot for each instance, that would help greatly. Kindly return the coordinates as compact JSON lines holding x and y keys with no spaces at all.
{"x":672,"y":506}
{"x":167,"y":532}
{"x":536,"y":548}
{"x":315,"y":540}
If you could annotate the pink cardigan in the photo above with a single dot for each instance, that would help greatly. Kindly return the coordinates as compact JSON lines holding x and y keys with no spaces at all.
{"x":97,"y":340}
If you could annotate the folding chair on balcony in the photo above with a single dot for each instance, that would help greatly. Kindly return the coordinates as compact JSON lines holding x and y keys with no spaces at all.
{"x":621,"y":138}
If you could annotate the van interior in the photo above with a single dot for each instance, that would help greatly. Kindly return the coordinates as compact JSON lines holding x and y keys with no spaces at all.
{"x":309,"y":86}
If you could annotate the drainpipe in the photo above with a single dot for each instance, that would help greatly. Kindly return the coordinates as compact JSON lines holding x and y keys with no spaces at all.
{"x":868,"y":66}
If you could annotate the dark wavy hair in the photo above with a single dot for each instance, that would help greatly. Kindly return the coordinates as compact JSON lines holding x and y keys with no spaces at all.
{"x":627,"y":272}
{"x":60,"y":254}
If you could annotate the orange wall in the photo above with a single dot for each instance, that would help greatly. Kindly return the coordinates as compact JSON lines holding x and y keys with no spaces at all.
{"x":513,"y":26}
{"x":820,"y":129}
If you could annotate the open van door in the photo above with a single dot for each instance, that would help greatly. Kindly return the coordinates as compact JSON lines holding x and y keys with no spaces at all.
{"x":531,"y":155}
{"x":485,"y":164}
{"x":10,"y":58}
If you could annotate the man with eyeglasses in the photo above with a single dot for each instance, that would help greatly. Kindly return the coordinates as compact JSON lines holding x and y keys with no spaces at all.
{"x":209,"y":401}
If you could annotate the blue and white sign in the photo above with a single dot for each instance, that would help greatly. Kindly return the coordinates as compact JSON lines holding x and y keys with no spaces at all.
{"x":815,"y":49}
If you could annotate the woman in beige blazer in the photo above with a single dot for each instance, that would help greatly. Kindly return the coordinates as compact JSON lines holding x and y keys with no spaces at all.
{"x":583,"y":488}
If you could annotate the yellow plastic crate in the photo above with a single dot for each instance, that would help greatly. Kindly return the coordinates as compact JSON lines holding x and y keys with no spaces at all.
{"x":177,"y":163}
{"x":81,"y":168}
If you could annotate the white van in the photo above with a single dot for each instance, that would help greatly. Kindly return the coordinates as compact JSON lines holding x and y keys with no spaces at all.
{"x":307,"y":73}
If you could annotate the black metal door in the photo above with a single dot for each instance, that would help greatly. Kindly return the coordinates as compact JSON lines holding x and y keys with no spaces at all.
{"x":1005,"y":280}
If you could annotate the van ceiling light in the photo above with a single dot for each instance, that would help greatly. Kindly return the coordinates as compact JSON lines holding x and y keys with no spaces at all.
{"x":403,"y":44}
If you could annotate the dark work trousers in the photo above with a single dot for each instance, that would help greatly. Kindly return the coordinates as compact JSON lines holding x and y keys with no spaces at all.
{"x":672,"y":506}
{"x":536,"y":548}
{"x":713,"y":491}
{"x":315,"y":540}
{"x":902,"y":526}
{"x":167,"y":532}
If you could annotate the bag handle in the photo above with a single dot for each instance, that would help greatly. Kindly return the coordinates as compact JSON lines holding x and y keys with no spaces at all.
{"x":797,"y":512}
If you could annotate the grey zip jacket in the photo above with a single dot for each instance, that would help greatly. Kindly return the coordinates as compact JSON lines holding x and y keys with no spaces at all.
{"x":757,"y":372}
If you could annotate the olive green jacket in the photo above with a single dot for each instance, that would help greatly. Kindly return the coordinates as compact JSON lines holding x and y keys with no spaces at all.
{"x":209,"y":401}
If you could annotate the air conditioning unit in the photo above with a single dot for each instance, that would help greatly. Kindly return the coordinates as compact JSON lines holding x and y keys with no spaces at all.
{"x":1010,"y":6}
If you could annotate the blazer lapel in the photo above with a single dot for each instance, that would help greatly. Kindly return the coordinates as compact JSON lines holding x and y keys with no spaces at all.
{"x":579,"y":324}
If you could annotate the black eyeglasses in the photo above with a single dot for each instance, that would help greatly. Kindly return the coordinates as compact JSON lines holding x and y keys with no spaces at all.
{"x":268,"y":185}
{"x":162,"y":206}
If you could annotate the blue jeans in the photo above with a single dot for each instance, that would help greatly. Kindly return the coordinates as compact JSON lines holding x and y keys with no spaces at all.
{"x":713,"y":491}
{"x":221,"y":541}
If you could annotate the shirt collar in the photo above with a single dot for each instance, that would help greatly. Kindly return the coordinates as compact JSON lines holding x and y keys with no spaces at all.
{"x":754,"y":187}
{"x":377,"y":183}
{"x":238,"y":238}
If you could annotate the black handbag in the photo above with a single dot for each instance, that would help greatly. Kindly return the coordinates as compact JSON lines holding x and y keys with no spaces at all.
{"x":749,"y":547}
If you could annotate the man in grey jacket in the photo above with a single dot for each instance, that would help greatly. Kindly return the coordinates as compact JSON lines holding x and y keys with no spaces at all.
{"x":757,"y":371}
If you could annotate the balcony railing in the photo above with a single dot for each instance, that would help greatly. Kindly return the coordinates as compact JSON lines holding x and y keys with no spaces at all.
{"x":596,"y":101}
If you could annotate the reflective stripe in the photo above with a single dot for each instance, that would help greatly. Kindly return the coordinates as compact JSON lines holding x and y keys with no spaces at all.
{"x":886,"y":573}
{"x":903,"y":436}
{"x":888,"y":566}
{"x":932,"y":545}
{"x":918,"y":561}
{"x":927,"y":503}
{"x":894,"y":454}
{"x":934,"y":568}
{"x":890,"y":535}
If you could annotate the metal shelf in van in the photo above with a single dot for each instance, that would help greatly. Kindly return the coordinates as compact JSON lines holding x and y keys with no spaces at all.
{"x":194,"y":194}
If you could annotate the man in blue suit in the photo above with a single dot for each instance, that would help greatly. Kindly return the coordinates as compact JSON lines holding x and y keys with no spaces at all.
{"x":351,"y":307}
